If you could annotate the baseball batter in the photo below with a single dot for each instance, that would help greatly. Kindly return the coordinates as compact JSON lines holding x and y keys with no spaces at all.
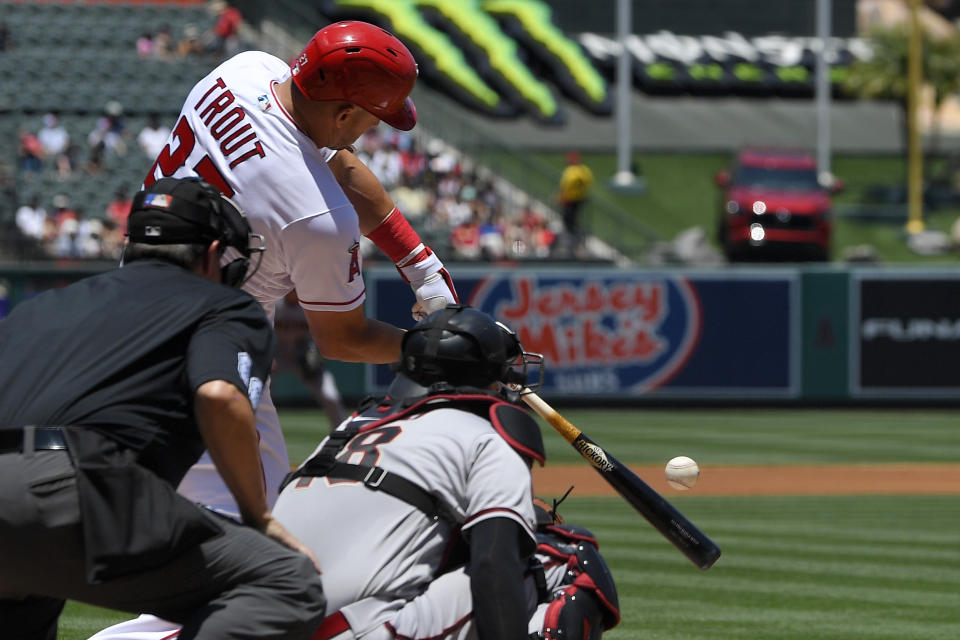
{"x":275,"y":138}
{"x":251,"y":128}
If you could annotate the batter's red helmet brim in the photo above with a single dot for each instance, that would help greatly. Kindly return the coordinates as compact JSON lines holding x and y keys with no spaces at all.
{"x":404,"y":119}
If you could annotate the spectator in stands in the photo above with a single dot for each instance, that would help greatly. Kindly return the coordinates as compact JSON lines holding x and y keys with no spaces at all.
{"x":493,"y":244}
{"x":465,"y":240}
{"x":189,"y":44}
{"x":96,"y":155}
{"x":387,"y":165}
{"x":119,"y":208}
{"x":31,"y":219}
{"x":452,"y":210}
{"x":413,"y":164}
{"x":443,"y":159}
{"x":163,"y":43}
{"x":575,"y":183}
{"x":30,"y":152}
{"x":113,"y":111}
{"x":89,"y":239}
{"x":62,"y":211}
{"x":113,"y":240}
{"x":67,"y":224}
{"x":153,"y":136}
{"x":108,"y":135}
{"x":223,"y":38}
{"x":56,"y":143}
{"x":443,"y":189}
{"x":542,"y":238}
{"x":144,"y":45}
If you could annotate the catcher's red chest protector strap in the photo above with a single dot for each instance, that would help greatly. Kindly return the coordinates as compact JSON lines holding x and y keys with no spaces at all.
{"x":517,"y":427}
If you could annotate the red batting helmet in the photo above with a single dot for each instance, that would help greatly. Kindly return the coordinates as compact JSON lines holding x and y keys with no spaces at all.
{"x":360,"y":63}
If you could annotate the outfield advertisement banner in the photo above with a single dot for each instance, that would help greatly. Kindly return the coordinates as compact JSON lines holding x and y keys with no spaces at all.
{"x":905,"y":334}
{"x":617,"y":333}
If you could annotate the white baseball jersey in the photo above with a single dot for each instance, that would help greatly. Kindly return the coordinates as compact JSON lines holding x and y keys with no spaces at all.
{"x":376,"y":548}
{"x":234,"y":133}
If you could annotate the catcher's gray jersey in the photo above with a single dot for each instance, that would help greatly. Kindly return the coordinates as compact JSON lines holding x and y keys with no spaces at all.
{"x":373,"y":544}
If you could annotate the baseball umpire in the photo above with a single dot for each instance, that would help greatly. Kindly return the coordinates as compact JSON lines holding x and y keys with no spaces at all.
{"x":110,"y":389}
{"x":445,"y":457}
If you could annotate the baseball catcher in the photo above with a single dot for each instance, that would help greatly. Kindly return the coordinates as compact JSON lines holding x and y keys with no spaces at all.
{"x":436,"y":533}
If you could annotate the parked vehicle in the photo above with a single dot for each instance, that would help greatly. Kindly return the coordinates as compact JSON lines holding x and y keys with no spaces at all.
{"x":773,"y":207}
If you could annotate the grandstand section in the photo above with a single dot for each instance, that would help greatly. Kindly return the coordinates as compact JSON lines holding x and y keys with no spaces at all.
{"x":102,"y":86}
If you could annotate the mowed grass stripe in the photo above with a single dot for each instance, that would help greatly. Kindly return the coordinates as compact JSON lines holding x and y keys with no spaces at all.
{"x":943,"y":553}
{"x":750,"y":560}
{"x":797,"y":587}
{"x":757,"y":436}
{"x":744,"y":561}
{"x":744,"y":447}
{"x":866,"y":549}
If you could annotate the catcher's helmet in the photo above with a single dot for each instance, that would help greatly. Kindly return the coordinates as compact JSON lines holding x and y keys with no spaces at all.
{"x":190,"y":211}
{"x":363,"y":64}
{"x":464,"y":347}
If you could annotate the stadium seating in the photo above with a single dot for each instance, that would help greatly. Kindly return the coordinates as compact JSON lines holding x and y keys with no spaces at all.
{"x":75,"y":57}
{"x":72,"y":58}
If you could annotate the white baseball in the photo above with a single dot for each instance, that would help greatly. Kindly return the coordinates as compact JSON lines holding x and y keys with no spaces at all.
{"x":682,"y":473}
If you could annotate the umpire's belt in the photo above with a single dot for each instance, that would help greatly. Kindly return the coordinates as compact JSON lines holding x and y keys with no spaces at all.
{"x":32,"y":439}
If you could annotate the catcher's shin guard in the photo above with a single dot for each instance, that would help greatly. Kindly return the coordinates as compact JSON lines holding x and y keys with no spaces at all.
{"x":584,"y":604}
{"x":574,"y":614}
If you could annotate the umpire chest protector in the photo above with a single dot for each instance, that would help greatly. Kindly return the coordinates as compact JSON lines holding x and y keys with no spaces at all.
{"x":513,"y":424}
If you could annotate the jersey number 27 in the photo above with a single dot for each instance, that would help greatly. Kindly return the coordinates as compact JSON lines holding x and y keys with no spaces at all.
{"x":170,"y":160}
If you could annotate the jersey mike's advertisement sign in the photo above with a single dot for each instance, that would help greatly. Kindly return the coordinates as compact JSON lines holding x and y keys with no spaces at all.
{"x":616,"y":333}
{"x":907,"y":338}
{"x":599,"y":335}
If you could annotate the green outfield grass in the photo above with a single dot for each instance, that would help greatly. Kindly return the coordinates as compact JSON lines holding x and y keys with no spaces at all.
{"x":730,"y":436}
{"x":793,"y":568}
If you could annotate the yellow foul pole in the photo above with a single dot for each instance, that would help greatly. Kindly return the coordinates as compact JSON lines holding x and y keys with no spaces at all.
{"x":914,"y":154}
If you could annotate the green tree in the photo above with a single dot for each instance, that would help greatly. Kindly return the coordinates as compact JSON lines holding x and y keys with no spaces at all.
{"x":884,"y":75}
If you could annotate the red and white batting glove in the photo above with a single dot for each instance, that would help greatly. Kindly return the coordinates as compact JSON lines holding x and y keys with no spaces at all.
{"x":418,"y":265}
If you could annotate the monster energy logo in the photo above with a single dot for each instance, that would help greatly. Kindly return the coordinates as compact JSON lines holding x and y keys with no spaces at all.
{"x":594,"y":454}
{"x":475,"y":29}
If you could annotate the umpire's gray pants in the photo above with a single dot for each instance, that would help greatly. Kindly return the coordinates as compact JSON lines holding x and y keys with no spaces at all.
{"x":237,"y":585}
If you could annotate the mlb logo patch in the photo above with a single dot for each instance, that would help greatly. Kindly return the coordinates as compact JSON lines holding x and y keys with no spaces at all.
{"x":159,"y":200}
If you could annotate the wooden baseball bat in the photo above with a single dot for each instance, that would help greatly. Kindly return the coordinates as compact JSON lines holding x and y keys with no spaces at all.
{"x":665,"y":518}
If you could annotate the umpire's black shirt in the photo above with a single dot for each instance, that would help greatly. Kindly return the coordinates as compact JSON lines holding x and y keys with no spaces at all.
{"x":123,"y":352}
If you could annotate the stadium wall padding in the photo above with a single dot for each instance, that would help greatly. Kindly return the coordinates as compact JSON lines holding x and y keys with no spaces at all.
{"x":793,"y":334}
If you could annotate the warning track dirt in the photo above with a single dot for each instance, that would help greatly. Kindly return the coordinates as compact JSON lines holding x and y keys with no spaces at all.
{"x":767,"y":480}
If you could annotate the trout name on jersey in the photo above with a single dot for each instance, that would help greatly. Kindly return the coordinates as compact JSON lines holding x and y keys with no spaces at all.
{"x":238,"y":141}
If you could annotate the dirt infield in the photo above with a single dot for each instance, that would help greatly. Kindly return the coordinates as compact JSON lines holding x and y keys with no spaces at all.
{"x":767,"y":480}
